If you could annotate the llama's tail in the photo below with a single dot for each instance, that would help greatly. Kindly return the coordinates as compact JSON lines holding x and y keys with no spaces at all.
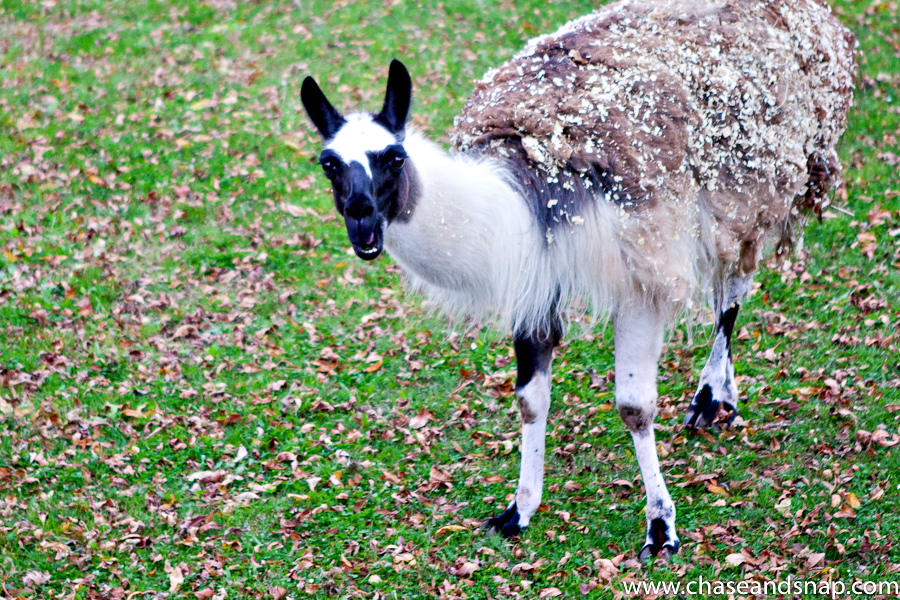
{"x":824,"y":175}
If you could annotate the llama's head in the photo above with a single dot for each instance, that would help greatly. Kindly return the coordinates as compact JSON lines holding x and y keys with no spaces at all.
{"x":372,"y":182}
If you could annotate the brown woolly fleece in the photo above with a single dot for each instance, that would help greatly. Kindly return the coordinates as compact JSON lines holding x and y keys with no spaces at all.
{"x":713,"y":120}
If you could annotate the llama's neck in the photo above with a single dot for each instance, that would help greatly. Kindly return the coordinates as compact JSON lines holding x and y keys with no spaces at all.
{"x":467,"y":226}
{"x":472,"y":245}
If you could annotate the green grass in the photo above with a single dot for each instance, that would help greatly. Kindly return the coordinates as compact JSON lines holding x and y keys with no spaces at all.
{"x":178,"y":298}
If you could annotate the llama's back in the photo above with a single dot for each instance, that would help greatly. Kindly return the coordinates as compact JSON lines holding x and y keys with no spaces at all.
{"x":706,"y":121}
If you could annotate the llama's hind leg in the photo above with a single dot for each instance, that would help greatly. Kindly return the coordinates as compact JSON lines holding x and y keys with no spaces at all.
{"x":717,"y":389}
{"x":533,"y":355}
{"x":638,"y":339}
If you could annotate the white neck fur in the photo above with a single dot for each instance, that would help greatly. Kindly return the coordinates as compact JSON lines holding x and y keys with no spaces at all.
{"x":473,"y":247}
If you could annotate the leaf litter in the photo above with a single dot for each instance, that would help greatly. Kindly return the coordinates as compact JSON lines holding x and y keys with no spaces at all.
{"x":204,"y":395}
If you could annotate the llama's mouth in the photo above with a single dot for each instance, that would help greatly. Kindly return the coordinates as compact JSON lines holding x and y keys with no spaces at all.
{"x":368,"y":244}
{"x":368,"y":252}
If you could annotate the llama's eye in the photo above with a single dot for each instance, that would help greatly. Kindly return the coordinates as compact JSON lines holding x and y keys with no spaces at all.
{"x":397,"y":162}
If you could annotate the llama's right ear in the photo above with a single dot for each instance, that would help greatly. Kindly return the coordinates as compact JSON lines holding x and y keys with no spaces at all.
{"x":323,"y":115}
{"x":396,"y":100}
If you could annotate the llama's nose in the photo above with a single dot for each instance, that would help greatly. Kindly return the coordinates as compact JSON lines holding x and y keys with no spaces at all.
{"x":359,"y":204}
{"x":359,"y":208}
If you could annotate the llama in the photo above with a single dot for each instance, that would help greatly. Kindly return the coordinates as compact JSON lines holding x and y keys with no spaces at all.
{"x":637,"y":158}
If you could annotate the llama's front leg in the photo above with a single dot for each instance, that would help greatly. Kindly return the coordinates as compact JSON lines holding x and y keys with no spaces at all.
{"x":533,"y":355}
{"x":717,"y":389}
{"x":638,"y":339}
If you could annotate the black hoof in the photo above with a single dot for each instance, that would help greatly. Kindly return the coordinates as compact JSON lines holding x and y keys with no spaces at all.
{"x":506,"y":523}
{"x":704,"y":411}
{"x":661,"y":547}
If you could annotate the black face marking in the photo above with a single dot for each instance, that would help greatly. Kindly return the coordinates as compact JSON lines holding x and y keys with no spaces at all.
{"x":359,"y":202}
{"x":331,"y":164}
{"x":408,"y":193}
{"x":726,"y":324}
{"x":370,"y":204}
{"x":387,"y":159}
{"x":369,"y":200}
{"x":393,"y":180}
{"x":353,"y":199}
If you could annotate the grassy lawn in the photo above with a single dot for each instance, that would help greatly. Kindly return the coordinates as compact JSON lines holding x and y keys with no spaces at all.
{"x":205,"y":394}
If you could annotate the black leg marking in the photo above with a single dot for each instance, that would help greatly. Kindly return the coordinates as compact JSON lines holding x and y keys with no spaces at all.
{"x":709,"y":407}
{"x":533,"y":355}
{"x":704,"y":408}
{"x":728,"y":319}
{"x":732,"y":412}
{"x":726,"y":324}
{"x":506,"y":523}
{"x":534,"y":351}
{"x":659,"y":546}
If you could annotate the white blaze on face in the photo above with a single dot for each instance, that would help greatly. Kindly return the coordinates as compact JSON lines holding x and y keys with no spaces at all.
{"x":360,"y":135}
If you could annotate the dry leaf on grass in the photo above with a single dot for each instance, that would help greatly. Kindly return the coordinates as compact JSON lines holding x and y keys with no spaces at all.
{"x":176,"y":578}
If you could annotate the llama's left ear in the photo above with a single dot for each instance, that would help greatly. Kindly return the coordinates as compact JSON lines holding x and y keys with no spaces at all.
{"x":396,"y":100}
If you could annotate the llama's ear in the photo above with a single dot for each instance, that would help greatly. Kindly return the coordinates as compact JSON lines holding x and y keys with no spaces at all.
{"x":323,"y":115}
{"x":396,"y":100}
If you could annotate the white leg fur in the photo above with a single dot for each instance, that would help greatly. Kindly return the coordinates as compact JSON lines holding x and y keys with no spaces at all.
{"x":535,"y":401}
{"x":533,"y":357}
{"x":717,"y":374}
{"x":638,"y":338}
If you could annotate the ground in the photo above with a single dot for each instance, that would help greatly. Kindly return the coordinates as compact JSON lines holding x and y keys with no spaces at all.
{"x":204,"y":394}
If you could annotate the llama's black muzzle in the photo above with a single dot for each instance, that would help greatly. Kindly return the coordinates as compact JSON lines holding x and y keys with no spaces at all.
{"x":365,"y":235}
{"x":361,"y":215}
